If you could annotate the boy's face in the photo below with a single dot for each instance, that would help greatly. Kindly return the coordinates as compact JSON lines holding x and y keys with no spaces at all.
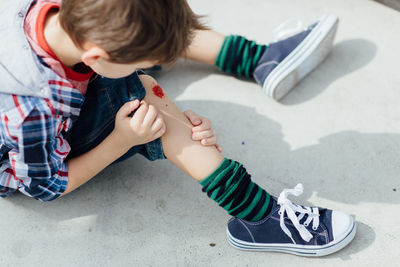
{"x":98,"y":60}
{"x":117,"y":70}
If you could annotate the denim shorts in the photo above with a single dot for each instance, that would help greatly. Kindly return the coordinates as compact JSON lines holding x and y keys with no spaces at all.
{"x":103,"y":99}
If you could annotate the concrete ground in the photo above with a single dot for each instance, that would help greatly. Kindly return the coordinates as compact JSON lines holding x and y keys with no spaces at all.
{"x":338,"y":133}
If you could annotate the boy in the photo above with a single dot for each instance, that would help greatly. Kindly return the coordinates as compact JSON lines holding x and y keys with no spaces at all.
{"x":58,"y":130}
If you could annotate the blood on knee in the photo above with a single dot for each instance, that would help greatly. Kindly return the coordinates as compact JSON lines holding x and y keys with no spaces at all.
{"x":158,"y":91}
{"x":149,"y":82}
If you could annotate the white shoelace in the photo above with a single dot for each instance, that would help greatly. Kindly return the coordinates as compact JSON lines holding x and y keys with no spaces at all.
{"x":290,"y":209}
{"x":281,"y":33}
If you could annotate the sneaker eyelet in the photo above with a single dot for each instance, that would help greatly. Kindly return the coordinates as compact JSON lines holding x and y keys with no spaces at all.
{"x":315,"y":228}
{"x":306,"y":224}
{"x":280,"y":212}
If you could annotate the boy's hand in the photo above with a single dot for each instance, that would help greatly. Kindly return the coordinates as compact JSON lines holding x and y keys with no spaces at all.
{"x":146,"y":125}
{"x":202,"y":130}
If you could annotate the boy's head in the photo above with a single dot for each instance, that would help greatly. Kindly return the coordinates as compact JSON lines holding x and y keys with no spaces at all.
{"x":123,"y":32}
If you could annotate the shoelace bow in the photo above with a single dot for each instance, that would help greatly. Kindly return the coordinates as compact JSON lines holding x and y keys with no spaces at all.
{"x":290,"y":209}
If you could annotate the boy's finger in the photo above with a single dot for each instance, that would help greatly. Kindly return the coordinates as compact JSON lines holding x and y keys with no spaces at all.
{"x":140,"y":112}
{"x":219,"y":148}
{"x":202,"y":135}
{"x":205,"y":125}
{"x":193,"y":117}
{"x":161,"y":132}
{"x":158,"y":124}
{"x":209,"y":141}
{"x":150,"y":116}
{"x":128,"y":108}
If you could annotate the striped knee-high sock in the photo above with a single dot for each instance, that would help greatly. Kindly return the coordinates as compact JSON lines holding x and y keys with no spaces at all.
{"x":239,"y":56}
{"x":231,"y":187}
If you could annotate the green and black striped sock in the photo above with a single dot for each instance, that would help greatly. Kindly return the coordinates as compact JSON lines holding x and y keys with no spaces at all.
{"x":239,"y":56}
{"x":231,"y":187}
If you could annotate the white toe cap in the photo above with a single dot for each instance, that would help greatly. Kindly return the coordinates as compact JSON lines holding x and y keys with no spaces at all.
{"x":341,"y":224}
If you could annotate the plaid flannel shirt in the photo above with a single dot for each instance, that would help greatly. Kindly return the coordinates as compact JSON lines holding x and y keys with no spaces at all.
{"x":33,"y":148}
{"x":32,"y":144}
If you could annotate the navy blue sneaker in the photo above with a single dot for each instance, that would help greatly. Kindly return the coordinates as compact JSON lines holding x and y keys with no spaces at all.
{"x":286,"y":62}
{"x":294,"y":229}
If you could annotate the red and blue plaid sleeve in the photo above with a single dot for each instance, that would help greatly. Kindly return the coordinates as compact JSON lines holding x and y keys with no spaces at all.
{"x":36,"y":157}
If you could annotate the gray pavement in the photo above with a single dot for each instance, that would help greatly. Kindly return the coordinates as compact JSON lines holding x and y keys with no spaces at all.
{"x":338,"y":133}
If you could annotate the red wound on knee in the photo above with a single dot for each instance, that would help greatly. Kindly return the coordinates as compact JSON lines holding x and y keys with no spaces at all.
{"x":158,"y":91}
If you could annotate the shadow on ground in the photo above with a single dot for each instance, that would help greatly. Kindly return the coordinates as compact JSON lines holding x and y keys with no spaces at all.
{"x":346,"y":167}
{"x":346,"y":57}
{"x":131,"y":200}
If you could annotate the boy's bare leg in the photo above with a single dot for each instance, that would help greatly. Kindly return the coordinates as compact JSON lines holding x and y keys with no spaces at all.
{"x":233,"y":190}
{"x":205,"y":46}
{"x":196,"y":160}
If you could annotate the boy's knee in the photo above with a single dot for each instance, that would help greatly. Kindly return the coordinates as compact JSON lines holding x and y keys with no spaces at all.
{"x":153,"y":89}
{"x":147,"y":81}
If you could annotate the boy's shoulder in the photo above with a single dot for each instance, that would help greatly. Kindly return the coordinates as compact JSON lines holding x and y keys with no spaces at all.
{"x":20,"y":70}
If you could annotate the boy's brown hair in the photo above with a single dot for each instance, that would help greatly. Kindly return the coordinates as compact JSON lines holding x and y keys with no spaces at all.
{"x":132,"y":30}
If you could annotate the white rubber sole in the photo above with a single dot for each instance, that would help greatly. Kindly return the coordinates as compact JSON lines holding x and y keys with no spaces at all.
{"x":300,"y":250}
{"x":303,"y":59}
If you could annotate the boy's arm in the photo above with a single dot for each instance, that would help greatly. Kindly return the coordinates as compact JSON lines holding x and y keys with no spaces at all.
{"x":84,"y":167}
{"x":35,"y":164}
{"x":36,"y":160}
{"x":144,"y":126}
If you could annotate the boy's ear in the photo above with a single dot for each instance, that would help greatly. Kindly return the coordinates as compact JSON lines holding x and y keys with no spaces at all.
{"x":92,"y":54}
